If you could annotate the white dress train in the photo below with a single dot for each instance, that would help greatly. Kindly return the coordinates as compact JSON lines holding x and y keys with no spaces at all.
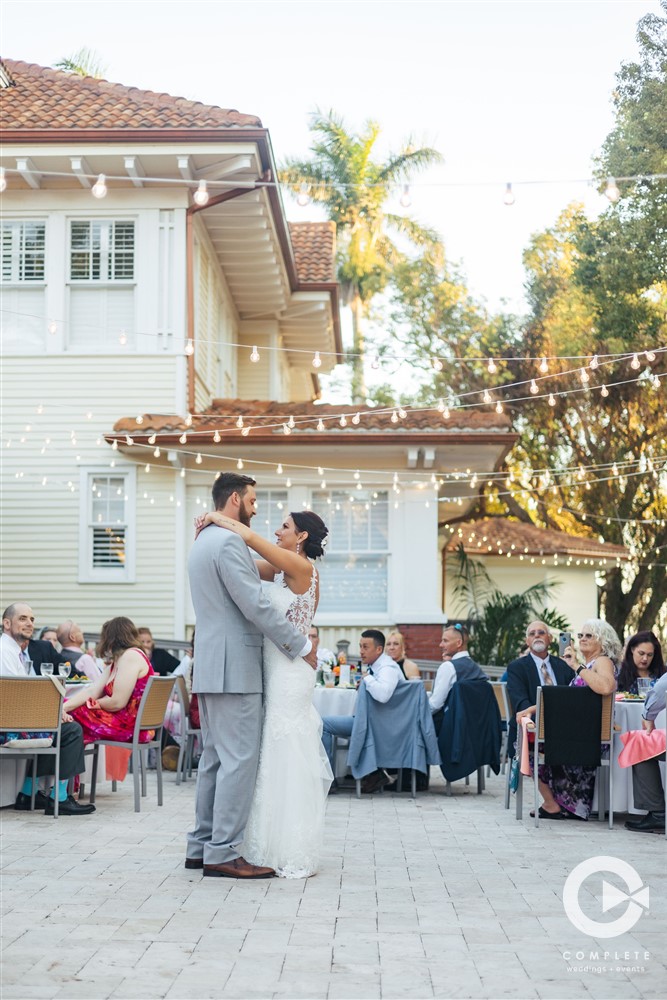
{"x":285,"y":827}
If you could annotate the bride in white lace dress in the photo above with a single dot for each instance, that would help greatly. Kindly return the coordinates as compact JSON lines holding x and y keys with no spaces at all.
{"x":286,"y":824}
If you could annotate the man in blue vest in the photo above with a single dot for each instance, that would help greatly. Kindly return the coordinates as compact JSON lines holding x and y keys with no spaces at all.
{"x":457,"y":665}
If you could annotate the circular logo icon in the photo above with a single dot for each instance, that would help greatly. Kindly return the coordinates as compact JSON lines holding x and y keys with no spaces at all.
{"x":636,"y":898}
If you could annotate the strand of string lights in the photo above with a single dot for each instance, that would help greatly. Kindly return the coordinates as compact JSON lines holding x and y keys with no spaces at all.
{"x":303,"y":190}
{"x":592,"y":361}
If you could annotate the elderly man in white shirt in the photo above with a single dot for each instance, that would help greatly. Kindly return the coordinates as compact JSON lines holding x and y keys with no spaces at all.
{"x":383,"y":676}
{"x":457,"y":665}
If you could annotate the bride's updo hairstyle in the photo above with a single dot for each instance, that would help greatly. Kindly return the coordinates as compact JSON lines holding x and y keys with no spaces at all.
{"x":306,"y":520}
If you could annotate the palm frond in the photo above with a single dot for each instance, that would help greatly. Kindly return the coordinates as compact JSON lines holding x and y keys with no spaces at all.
{"x":421,"y":236}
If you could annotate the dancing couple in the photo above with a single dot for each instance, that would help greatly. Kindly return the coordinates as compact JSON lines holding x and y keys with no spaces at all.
{"x":263,"y":776}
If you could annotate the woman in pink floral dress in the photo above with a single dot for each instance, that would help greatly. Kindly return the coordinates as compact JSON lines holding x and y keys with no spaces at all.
{"x":107,"y":708}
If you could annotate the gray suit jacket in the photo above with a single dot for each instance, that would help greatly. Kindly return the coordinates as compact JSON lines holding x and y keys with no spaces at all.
{"x":233,"y":614}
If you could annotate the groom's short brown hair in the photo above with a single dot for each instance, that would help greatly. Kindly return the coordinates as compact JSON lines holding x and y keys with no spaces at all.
{"x":228,"y":483}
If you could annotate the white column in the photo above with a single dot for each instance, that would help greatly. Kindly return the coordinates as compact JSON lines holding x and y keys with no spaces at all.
{"x":414,"y":594}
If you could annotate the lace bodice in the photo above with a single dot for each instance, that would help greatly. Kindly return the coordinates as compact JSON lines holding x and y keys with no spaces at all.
{"x":301,"y":609}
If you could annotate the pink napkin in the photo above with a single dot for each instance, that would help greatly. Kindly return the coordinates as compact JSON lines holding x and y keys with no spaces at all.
{"x":640,"y":745}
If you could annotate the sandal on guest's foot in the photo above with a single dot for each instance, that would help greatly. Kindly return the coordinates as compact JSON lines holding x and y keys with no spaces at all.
{"x":543,"y":814}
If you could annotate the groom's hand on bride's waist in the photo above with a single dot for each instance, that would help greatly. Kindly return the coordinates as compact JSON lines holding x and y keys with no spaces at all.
{"x":311,"y":659}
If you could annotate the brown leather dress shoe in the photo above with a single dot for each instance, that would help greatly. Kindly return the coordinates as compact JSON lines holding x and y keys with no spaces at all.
{"x":194,"y":862}
{"x":238,"y":868}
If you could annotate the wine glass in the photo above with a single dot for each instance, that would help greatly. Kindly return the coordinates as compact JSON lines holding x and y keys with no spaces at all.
{"x":65,"y":669}
{"x":47,"y":670}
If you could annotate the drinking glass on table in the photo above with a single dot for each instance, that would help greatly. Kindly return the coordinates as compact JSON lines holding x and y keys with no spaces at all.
{"x":47,"y":669}
{"x":65,"y":669}
{"x":643,"y":686}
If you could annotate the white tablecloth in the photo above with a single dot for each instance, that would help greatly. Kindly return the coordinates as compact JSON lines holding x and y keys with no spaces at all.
{"x":334,"y":701}
{"x":627,"y":716}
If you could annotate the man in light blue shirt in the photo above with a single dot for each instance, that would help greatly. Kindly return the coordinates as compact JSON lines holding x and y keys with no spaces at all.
{"x":647,"y":786}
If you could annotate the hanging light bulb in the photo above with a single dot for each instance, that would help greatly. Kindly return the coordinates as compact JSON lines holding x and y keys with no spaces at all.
{"x":216,"y":437}
{"x":114,"y":445}
{"x":254,"y":355}
{"x":356,"y":419}
{"x":188,"y":420}
{"x":584,"y":376}
{"x":402,"y":414}
{"x":287,"y":429}
{"x":152,"y":439}
{"x":375,"y":363}
{"x":183,"y":438}
{"x":52,"y":327}
{"x":650,"y":355}
{"x":508,"y":198}
{"x":288,"y":483}
{"x":198,"y":459}
{"x":147,"y":468}
{"x":437,"y":365}
{"x":394,"y":417}
{"x":492,"y":367}
{"x":290,"y":422}
{"x":189,"y":347}
{"x":323,"y":484}
{"x":201,"y":194}
{"x":239,"y":422}
{"x":303,"y":197}
{"x":245,"y":432}
{"x":139,"y":419}
{"x":611,"y":191}
{"x":3,"y":180}
{"x":486,"y":398}
{"x":343,"y":420}
{"x":635,"y":363}
{"x":534,"y":387}
{"x":604,"y":391}
{"x":239,"y":464}
{"x":552,"y":399}
{"x":614,"y":469}
{"x":405,"y":199}
{"x":317,"y":361}
{"x":445,"y":413}
{"x":499,"y":407}
{"x":122,"y":339}
{"x":156,"y":453}
{"x":441,"y":406}
{"x":320,"y":424}
{"x":544,"y":367}
{"x":99,"y":188}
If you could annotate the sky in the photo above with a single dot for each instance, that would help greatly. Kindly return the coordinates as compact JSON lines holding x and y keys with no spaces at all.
{"x":506,"y":91}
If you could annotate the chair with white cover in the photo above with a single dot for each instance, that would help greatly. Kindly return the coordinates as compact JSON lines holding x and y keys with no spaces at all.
{"x":152,"y":710}
{"x":32,"y":705}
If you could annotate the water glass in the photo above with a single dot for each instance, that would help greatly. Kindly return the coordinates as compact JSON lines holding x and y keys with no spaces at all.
{"x":643,"y":686}
{"x":65,"y":669}
{"x":47,"y":669}
{"x":329,"y":679}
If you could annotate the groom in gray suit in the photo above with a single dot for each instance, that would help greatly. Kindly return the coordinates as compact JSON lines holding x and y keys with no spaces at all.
{"x":233,"y":614}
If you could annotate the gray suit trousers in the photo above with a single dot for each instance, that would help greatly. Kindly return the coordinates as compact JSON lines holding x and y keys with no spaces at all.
{"x":231,"y":729}
{"x":647,"y":789}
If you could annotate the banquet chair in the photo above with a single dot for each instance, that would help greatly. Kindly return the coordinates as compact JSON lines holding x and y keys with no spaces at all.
{"x":397,"y":734}
{"x":152,"y":710}
{"x":545,"y":733}
{"x":32,"y":705}
{"x":470,"y":733}
{"x":500,"y":691}
{"x":188,"y":735}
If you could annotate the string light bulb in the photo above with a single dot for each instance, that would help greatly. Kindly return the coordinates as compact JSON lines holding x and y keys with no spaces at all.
{"x":650,"y":355}
{"x":53,"y":327}
{"x":183,"y":438}
{"x":189,"y":347}
{"x":317,"y":361}
{"x":303,"y":197}
{"x":287,"y":429}
{"x":198,"y":459}
{"x":486,"y":398}
{"x":239,"y":464}
{"x":445,"y":413}
{"x":188,"y":420}
{"x":245,"y":432}
{"x":405,"y":199}
{"x":152,"y":439}
{"x":201,"y":194}
{"x":584,"y":376}
{"x":437,"y":365}
{"x":394,"y":417}
{"x":552,"y":399}
{"x":343,"y":420}
{"x":291,"y":423}
{"x":320,"y":424}
{"x":216,"y":437}
{"x":544,"y":366}
{"x":492,"y":367}
{"x":122,"y":339}
{"x":375,"y":363}
{"x":612,"y":191}
{"x":534,"y":387}
{"x":402,"y":413}
{"x":356,"y":419}
{"x":635,"y":363}
{"x":594,"y":362}
{"x":604,"y":391}
{"x":99,"y":188}
{"x":254,"y":355}
{"x":156,"y":453}
{"x":239,"y":422}
{"x":499,"y":407}
{"x":508,"y":198}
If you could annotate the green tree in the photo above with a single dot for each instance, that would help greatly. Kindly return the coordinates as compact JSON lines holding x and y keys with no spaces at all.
{"x":84,"y":62}
{"x":353,"y":186}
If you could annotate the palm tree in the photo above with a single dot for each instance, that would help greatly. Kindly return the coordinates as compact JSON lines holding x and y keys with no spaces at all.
{"x":353,"y":187}
{"x":85,"y":62}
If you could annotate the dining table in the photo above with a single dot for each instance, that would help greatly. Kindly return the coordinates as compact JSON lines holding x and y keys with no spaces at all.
{"x":336,"y":701}
{"x":627,"y":717}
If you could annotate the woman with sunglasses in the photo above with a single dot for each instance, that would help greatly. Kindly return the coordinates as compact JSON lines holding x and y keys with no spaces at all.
{"x":568,"y":790}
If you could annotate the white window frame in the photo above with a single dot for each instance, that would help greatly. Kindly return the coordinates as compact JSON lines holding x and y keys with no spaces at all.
{"x":101,"y":281}
{"x":88,"y":573}
{"x":16,"y":281}
{"x":352,"y":616}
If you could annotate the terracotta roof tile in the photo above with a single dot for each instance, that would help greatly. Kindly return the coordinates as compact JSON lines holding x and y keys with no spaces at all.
{"x":488,"y":536}
{"x":42,"y":98}
{"x":314,"y":250}
{"x":223,"y":414}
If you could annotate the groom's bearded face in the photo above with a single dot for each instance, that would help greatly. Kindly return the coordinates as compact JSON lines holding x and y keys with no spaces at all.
{"x":247,"y":507}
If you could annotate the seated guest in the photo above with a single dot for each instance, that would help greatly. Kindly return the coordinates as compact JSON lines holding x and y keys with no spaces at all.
{"x":381,"y":680}
{"x":70,"y":637}
{"x":49,"y":634}
{"x":642,"y":658}
{"x":571,"y":658}
{"x":161,"y":660}
{"x":18,"y":623}
{"x":647,"y":787}
{"x":107,"y":709}
{"x":568,"y":789}
{"x":396,"y":649}
{"x":457,"y":665}
{"x":524,"y":675}
{"x":326,"y":658}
